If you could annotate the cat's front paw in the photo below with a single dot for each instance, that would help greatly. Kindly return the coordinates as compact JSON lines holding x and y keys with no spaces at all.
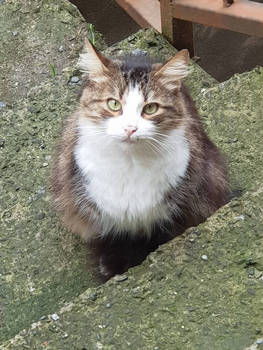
{"x":103,"y":269}
{"x":111,"y":267}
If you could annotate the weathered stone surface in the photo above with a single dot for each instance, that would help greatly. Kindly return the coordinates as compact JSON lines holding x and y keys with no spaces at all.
{"x":40,"y":266}
{"x":176,"y":299}
{"x":34,"y":37}
{"x":232,"y":115}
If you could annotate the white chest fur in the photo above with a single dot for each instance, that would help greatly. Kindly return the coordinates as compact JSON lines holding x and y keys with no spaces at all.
{"x":128,"y":182}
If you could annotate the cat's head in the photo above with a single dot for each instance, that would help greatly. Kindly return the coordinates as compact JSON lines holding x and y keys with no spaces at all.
{"x":132,"y":99}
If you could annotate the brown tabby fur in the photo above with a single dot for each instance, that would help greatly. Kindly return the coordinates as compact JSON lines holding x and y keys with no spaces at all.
{"x":203,"y":190}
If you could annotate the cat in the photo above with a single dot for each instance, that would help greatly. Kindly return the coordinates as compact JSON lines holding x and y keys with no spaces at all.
{"x":134,"y":166}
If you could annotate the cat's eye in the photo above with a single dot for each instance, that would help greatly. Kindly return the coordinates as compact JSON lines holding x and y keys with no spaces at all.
{"x":114,"y":105}
{"x":150,"y":108}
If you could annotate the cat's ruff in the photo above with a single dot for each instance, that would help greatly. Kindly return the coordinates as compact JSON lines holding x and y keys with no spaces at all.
{"x":128,"y":184}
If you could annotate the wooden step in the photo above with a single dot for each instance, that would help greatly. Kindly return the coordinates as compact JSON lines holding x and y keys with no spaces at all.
{"x":175,"y":18}
{"x":144,"y":12}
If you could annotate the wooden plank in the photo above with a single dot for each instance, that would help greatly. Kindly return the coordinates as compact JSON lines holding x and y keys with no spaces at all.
{"x":144,"y":12}
{"x":183,"y":36}
{"x":243,"y":16}
{"x":167,"y":19}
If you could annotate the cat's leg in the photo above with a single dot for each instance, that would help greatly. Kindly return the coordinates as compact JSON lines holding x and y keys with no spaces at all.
{"x":112,"y":255}
{"x":115,"y":255}
{"x":82,"y":227}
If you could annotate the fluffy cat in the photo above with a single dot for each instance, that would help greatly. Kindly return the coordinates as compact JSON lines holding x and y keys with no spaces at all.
{"x":134,"y":167}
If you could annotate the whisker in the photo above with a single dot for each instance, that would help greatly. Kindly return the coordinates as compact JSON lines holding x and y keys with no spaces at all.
{"x":153,"y":148}
{"x":163,"y":149}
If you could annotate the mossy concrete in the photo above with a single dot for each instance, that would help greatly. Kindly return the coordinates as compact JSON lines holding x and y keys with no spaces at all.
{"x":232,"y":115}
{"x":175,"y":300}
{"x":35,"y":35}
{"x":41,"y":267}
{"x":178,"y":299}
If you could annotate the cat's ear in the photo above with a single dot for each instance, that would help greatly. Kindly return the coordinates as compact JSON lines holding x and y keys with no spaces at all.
{"x":175,"y":69}
{"x":92,"y":61}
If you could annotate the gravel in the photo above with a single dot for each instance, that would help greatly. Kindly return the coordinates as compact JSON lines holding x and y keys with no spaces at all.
{"x":55,"y":317}
{"x":40,"y":216}
{"x":139,"y":52}
{"x":120,"y":278}
{"x":92,"y":296}
{"x":74,"y":79}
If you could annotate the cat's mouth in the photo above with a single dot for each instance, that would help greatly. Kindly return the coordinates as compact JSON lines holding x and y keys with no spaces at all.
{"x":129,"y":140}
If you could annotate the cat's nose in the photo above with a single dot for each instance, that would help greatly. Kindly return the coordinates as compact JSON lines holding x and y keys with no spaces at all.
{"x":130,"y":130}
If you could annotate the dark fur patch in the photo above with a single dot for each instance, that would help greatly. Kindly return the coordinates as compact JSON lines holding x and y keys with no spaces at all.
{"x":136,"y":69}
{"x":117,"y":254}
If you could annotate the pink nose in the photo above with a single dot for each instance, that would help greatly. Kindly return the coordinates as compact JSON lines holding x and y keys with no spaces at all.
{"x":130,"y":130}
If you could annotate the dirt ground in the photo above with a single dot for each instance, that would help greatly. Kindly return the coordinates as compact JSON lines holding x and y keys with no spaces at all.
{"x":222,"y":53}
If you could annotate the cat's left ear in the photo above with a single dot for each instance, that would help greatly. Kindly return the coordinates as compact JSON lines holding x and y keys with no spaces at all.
{"x":175,"y":69}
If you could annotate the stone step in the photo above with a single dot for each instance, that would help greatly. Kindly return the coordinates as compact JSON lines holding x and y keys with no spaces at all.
{"x":42,"y":266}
{"x":232,"y":115}
{"x":204,"y":289}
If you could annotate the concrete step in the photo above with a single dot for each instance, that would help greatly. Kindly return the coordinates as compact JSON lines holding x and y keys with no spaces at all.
{"x":42,"y":266}
{"x":232,"y":115}
{"x":203,"y":290}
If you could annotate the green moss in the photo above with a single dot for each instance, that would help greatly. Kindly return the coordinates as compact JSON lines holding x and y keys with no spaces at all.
{"x":174,"y":300}
{"x":37,"y":34}
{"x":232,"y":114}
{"x":41,"y":265}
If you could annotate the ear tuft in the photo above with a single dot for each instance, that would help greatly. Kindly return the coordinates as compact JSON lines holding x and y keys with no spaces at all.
{"x":175,"y":69}
{"x":90,"y":61}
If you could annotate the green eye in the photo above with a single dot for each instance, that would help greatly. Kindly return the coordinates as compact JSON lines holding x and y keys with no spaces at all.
{"x":114,"y":105}
{"x":151,"y":108}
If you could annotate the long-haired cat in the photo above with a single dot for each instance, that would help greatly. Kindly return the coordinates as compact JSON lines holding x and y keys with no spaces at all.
{"x":134,"y":167}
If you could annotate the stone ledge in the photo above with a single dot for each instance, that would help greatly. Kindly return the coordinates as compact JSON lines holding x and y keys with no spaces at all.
{"x":203,"y":290}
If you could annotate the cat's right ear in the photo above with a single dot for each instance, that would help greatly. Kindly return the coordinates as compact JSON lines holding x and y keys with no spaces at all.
{"x":91,"y":61}
{"x":171,"y":73}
